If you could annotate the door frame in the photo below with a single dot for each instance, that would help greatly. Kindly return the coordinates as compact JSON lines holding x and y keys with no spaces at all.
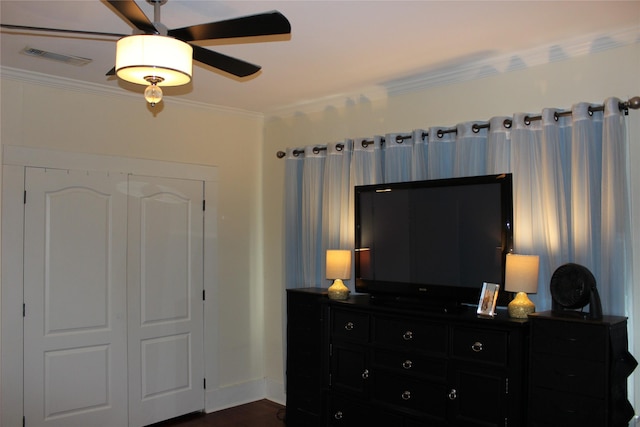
{"x":14,"y":161}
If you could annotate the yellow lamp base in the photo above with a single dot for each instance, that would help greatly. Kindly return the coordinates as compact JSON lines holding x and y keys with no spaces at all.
{"x":338,"y":290}
{"x":521,"y":306}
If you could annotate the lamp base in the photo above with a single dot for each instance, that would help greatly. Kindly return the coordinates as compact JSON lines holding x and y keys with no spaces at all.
{"x":521,"y":306}
{"x":338,"y":290}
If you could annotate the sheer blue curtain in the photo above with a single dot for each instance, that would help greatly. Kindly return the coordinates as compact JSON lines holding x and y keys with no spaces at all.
{"x":571,"y":197}
{"x":366,"y":168}
{"x":616,"y":264}
{"x":499,"y":145}
{"x":303,"y":217}
{"x":420,"y":158}
{"x":571,"y":190}
{"x":294,"y":163}
{"x":441,"y":153}
{"x":470,"y":151}
{"x":398,"y":154}
{"x":335,"y":230}
{"x":366,"y":164}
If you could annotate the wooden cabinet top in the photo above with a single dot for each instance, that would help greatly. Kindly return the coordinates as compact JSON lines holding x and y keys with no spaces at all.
{"x":411,"y":309}
{"x":576,"y":317}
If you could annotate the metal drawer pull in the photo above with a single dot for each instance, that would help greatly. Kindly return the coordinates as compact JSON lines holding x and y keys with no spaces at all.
{"x":453,"y":394}
{"x":407,"y":336}
{"x":407,"y":364}
{"x":338,"y":415}
{"x":477,"y":347}
{"x":365,"y":374}
{"x":349,"y":326}
{"x":406,"y":395}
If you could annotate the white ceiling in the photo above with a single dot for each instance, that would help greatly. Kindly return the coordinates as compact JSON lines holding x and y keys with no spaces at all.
{"x":335,"y":47}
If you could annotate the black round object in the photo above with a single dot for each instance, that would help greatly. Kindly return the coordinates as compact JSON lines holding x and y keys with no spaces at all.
{"x":571,"y":286}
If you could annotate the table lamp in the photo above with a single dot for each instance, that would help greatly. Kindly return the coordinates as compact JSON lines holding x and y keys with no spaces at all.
{"x":338,"y":268}
{"x":521,"y":276}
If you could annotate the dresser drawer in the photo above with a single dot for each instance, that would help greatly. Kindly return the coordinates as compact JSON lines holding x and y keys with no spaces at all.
{"x":349,"y":325}
{"x":410,"y":363}
{"x":550,"y":408}
{"x":301,"y":308}
{"x":569,"y":339}
{"x":480,"y":345}
{"x":423,"y":397}
{"x":411,"y":335}
{"x":345,"y":412}
{"x":305,"y":399}
{"x":569,"y":375}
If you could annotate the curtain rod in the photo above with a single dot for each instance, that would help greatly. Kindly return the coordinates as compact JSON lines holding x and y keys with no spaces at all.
{"x":633,"y":103}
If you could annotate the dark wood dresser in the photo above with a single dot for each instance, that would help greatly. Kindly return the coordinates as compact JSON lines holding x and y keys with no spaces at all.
{"x":406,"y":367}
{"x":355,"y":362}
{"x":306,"y":356}
{"x":578,"y":372}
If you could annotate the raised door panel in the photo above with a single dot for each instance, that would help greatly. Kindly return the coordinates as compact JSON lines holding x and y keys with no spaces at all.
{"x":75,"y":298}
{"x":478,"y":397}
{"x":349,"y":369}
{"x":165,"y":284}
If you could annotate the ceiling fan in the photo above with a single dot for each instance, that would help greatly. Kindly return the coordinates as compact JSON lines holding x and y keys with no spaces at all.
{"x":263,"y":24}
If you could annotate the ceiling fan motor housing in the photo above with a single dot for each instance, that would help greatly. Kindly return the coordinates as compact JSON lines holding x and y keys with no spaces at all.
{"x":572,"y":287}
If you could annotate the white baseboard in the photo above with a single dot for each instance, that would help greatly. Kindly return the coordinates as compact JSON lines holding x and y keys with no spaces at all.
{"x":238,"y":394}
{"x":233,"y":395}
{"x":275,"y":392}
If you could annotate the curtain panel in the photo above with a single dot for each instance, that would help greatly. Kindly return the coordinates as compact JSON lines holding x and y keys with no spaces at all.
{"x":570,"y":189}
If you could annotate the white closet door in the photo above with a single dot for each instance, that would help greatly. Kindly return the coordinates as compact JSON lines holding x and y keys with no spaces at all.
{"x":75,"y":364}
{"x":165,"y":284}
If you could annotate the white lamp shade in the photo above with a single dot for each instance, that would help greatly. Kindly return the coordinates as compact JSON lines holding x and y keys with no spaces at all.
{"x":522,"y":273}
{"x":338,"y":264}
{"x":141,"y":56}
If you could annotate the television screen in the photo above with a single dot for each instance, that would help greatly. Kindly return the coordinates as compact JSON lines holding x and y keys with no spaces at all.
{"x":438,"y":240}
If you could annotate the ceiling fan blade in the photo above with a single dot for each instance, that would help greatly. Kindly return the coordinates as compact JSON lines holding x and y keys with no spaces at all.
{"x":58,"y":30}
{"x":262,"y":24}
{"x":130,"y":10}
{"x":225,"y":63}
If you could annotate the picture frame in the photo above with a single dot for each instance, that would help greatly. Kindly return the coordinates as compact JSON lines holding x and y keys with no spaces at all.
{"x":488,"y":298}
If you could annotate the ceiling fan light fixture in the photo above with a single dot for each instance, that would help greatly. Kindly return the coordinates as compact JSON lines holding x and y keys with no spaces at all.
{"x":141,"y":57}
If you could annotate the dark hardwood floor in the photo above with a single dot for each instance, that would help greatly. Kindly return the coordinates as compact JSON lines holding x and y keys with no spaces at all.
{"x":262,"y":413}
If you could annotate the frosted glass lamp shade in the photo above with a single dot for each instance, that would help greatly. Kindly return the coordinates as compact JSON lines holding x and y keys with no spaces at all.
{"x":141,"y":58}
{"x":521,"y":276}
{"x":338,"y":268}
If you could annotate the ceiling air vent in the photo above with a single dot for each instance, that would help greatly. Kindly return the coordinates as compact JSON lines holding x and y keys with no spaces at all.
{"x":68,"y":59}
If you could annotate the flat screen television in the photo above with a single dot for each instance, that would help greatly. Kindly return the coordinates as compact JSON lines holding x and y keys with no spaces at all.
{"x":433,"y":242}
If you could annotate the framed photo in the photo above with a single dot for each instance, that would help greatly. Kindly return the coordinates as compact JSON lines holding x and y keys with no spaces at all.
{"x":488,"y":297}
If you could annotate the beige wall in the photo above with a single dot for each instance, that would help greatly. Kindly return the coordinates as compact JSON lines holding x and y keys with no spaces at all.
{"x":243,"y":147}
{"x":591,"y":78}
{"x":44,"y":116}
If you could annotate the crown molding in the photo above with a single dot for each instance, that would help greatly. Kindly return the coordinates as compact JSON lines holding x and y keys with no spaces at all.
{"x":62,"y":83}
{"x":472,"y":70}
{"x":540,"y":55}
